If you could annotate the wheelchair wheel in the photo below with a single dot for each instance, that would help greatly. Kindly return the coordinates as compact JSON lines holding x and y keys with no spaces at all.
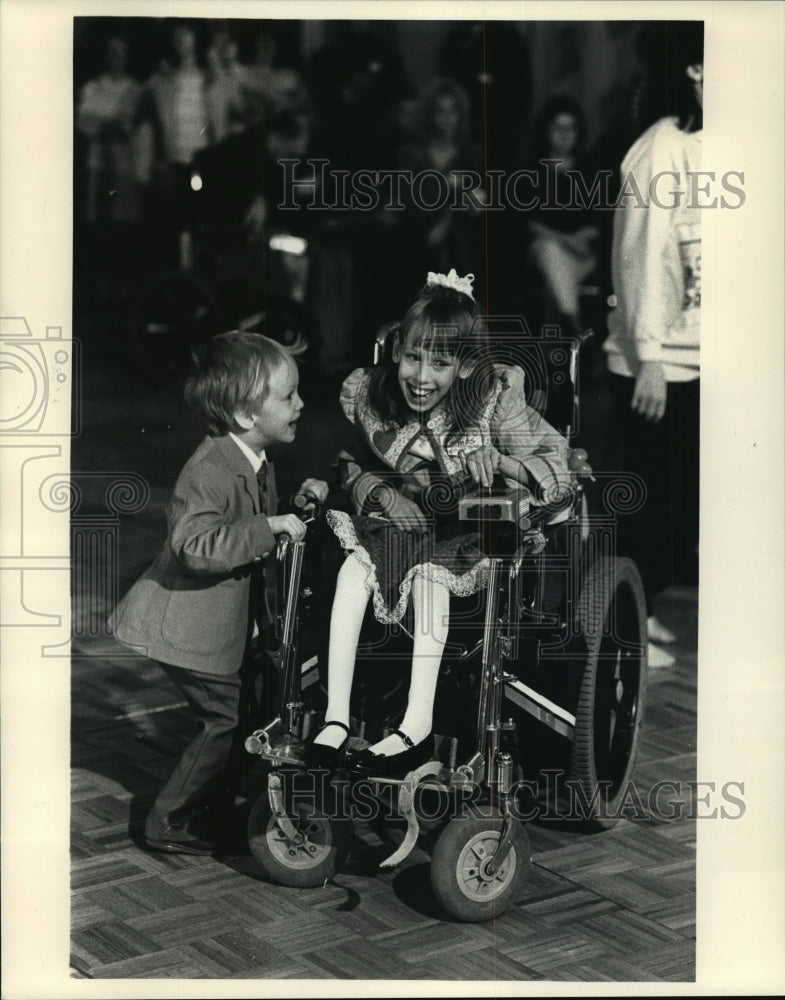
{"x":612,"y":618}
{"x":460,"y":878}
{"x":320,"y":856}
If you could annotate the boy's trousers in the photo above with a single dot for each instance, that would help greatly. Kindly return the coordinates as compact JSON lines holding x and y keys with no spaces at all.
{"x":223,"y":707}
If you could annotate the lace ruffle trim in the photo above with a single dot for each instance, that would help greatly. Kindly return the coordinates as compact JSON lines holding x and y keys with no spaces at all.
{"x":462,"y":586}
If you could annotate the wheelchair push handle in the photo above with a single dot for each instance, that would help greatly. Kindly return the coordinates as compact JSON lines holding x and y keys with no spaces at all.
{"x":308,"y":509}
{"x":307,"y":506}
{"x":584,"y":338}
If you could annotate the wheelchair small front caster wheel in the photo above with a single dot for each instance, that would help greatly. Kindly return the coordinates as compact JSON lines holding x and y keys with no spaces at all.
{"x":305,"y":851}
{"x":463,"y":876}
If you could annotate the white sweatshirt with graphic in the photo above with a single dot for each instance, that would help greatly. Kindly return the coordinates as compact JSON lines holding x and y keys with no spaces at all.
{"x":656,"y":256}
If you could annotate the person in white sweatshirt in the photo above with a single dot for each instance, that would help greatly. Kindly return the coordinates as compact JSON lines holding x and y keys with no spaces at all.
{"x":653,"y":344}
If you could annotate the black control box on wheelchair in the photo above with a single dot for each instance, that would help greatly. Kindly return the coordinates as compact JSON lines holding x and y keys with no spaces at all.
{"x":552,"y":657}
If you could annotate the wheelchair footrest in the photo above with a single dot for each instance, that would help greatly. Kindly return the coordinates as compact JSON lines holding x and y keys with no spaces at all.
{"x":407,"y":811}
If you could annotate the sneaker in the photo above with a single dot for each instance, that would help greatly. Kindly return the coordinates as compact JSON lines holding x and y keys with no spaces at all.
{"x":657,"y":632}
{"x":659,"y":658}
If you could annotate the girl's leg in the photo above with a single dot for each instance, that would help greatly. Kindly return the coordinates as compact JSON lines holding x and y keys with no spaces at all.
{"x":431,"y":602}
{"x":351,"y":600}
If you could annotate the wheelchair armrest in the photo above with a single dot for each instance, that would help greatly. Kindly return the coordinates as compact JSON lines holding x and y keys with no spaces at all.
{"x":539,"y":517}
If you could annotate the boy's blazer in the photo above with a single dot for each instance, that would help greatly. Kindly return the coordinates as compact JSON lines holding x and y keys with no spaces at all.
{"x":191,"y":608}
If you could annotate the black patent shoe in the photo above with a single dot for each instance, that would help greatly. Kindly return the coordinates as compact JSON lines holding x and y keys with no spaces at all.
{"x":367,"y":764}
{"x":319,"y":756}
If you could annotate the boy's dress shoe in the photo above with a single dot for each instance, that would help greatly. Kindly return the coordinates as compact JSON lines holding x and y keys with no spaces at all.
{"x":367,"y":764}
{"x":187,"y":837}
{"x":320,"y":756}
{"x":179,"y":844}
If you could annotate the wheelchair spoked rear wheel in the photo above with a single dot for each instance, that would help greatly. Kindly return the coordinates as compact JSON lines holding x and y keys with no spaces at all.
{"x":307,"y":862}
{"x":461,"y":879}
{"x":612,"y":618}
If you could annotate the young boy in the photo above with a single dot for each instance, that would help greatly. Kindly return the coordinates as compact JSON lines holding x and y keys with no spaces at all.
{"x":191,"y":611}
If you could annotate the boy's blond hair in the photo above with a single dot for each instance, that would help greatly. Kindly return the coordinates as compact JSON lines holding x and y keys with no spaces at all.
{"x":232,"y":373}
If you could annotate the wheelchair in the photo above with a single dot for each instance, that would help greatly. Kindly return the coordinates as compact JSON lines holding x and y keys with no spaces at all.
{"x":551,"y":658}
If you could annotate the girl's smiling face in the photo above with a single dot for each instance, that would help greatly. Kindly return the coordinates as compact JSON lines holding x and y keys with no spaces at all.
{"x":424,"y":375}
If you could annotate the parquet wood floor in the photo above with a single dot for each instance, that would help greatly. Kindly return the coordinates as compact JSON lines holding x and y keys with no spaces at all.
{"x":613,"y":906}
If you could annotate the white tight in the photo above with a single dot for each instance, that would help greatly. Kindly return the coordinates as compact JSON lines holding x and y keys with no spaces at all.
{"x":431,"y":604}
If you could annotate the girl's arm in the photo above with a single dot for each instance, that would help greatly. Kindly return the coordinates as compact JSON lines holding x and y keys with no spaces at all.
{"x":354,"y":473}
{"x":358,"y":470}
{"x":519,"y":431}
{"x":371,"y":485}
{"x":374,"y":492}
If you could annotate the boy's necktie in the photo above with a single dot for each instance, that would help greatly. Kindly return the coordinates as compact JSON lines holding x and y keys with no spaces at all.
{"x":258,"y":603}
{"x":261,"y":482}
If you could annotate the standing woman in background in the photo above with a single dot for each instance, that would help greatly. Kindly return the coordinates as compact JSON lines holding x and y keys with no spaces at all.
{"x":442,"y":236}
{"x":560,"y":241}
{"x":653,"y":347}
{"x":106,"y":114}
{"x":177,"y":107}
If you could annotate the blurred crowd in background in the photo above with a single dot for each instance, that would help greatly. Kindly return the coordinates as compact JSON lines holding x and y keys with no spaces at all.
{"x":180,"y":127}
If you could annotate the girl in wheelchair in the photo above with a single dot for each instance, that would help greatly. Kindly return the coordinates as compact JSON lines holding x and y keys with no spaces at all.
{"x":436,"y":413}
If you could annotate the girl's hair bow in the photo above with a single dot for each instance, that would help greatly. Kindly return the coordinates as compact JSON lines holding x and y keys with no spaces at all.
{"x":452,"y":280}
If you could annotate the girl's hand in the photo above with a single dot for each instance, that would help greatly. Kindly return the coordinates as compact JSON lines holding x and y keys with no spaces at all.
{"x":482,"y":464}
{"x":311,"y":492}
{"x":651,"y":392}
{"x":403,"y":513}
